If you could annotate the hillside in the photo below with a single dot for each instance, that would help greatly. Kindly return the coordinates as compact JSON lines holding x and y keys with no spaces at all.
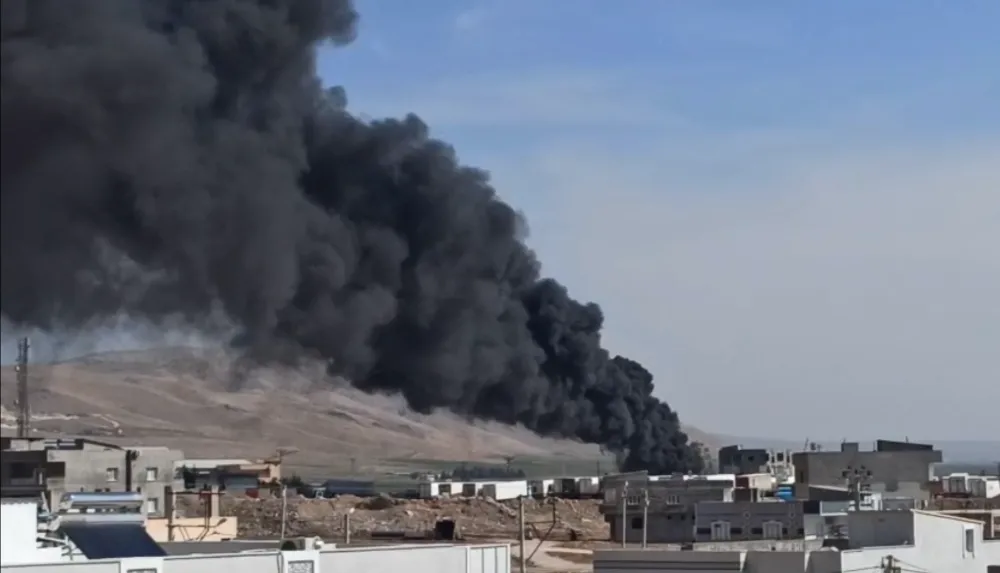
{"x":182,"y":397}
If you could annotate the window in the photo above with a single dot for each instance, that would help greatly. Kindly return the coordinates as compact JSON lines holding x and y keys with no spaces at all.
{"x":636,"y":523}
{"x":970,"y":541}
{"x":21,"y":470}
{"x":673,"y":500}
{"x":111,"y":474}
{"x":300,"y":567}
{"x":720,"y":531}
{"x":152,"y":474}
{"x":704,"y":531}
{"x":153,"y":505}
{"x":773,"y":530}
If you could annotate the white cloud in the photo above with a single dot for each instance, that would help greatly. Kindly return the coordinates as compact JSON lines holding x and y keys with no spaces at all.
{"x":534,"y":99}
{"x":471,"y":19}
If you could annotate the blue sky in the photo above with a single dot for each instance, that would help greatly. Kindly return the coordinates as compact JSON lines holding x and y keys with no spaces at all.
{"x":788,"y":209}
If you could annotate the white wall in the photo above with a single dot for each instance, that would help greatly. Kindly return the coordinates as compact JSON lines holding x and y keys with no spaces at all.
{"x":654,"y":561}
{"x":269,"y":562}
{"x":67,"y":567}
{"x":940,"y":546}
{"x":19,"y":528}
{"x":409,"y":559}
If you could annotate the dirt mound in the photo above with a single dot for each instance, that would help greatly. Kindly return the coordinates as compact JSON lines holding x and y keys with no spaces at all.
{"x":184,"y":398}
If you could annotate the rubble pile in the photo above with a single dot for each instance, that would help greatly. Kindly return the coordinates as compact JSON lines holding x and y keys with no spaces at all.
{"x":384,"y":516}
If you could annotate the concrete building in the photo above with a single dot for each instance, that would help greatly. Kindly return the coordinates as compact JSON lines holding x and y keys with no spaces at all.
{"x":903,"y":469}
{"x":910,"y":540}
{"x":671,"y":510}
{"x":78,"y":464}
{"x":748,"y":521}
{"x":976,"y":486}
{"x":498,"y":490}
{"x":739,"y":460}
{"x":484,"y":558}
{"x":207,"y":471}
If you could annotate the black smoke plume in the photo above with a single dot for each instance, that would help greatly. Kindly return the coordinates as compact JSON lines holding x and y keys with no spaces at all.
{"x":165,"y":157}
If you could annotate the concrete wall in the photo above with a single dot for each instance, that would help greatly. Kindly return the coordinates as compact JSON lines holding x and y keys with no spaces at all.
{"x":739,"y":460}
{"x":905,"y":473}
{"x":633,"y":561}
{"x":78,"y":567}
{"x":674,"y":527}
{"x":94,"y":468}
{"x":747,"y":520}
{"x":940,"y":546}
{"x":880,"y":528}
{"x":411,"y":559}
{"x":17,"y":537}
{"x":664,"y":495}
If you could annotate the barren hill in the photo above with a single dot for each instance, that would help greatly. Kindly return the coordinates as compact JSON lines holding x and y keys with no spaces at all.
{"x":182,"y":397}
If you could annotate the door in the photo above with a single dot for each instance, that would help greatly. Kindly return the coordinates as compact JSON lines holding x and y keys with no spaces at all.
{"x":772,"y":530}
{"x":720,"y":531}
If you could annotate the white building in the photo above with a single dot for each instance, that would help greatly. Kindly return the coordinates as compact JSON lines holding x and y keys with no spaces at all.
{"x":984,"y":486}
{"x":20,"y":552}
{"x":972,"y":485}
{"x":911,"y":540}
{"x":498,"y":490}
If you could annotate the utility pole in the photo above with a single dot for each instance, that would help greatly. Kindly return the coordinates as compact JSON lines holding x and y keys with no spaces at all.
{"x":284,"y":510}
{"x":508,"y":464}
{"x":520,"y":535}
{"x":645,"y":517}
{"x":857,"y":479}
{"x":625,"y":515}
{"x":23,"y":407}
{"x":347,"y":526}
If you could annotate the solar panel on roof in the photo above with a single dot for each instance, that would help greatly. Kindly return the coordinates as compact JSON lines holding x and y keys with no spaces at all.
{"x":112,"y":540}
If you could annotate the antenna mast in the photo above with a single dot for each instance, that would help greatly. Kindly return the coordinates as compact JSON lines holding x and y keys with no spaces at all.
{"x":23,"y":408}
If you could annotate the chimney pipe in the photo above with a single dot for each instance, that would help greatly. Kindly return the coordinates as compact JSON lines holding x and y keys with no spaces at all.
{"x":130,"y":456}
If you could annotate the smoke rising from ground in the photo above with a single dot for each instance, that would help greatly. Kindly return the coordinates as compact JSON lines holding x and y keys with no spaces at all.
{"x":179,"y":159}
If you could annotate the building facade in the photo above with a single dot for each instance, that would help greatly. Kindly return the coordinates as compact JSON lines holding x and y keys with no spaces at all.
{"x":74,"y":465}
{"x":670,"y":516}
{"x":901,"y":469}
{"x":880,"y":540}
{"x":748,"y":521}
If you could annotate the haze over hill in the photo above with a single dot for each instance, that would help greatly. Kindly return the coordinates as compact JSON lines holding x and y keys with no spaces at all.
{"x":180,"y":397}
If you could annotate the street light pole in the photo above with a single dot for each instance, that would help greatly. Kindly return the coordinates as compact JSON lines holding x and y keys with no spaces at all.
{"x":625,"y":515}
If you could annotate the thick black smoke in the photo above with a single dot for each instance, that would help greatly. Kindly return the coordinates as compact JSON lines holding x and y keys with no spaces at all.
{"x":174,"y":156}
